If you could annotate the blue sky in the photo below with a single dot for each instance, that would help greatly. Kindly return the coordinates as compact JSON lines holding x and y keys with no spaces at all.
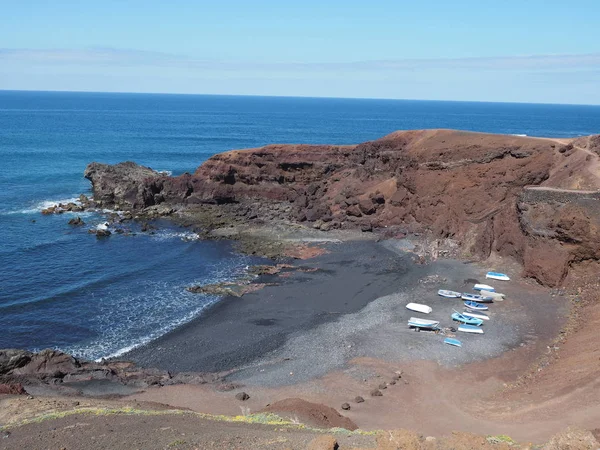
{"x":528,"y":50}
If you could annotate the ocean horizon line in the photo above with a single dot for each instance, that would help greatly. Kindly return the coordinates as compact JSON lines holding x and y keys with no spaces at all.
{"x":308,"y":97}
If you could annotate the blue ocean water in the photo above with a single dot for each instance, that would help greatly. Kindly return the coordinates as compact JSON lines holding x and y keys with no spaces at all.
{"x":61,"y":287}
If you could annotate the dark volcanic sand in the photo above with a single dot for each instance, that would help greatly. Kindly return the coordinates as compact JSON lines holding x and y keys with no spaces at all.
{"x":236,"y":331}
{"x":353,"y":306}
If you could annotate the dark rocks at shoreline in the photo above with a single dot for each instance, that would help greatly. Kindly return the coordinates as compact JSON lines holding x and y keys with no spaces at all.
{"x":227,"y":288}
{"x":359,"y":399}
{"x":60,"y":372}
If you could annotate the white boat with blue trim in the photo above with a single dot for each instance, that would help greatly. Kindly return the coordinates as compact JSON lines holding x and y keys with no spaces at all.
{"x":477,"y":298}
{"x":497,"y":276}
{"x":424,"y":323}
{"x":483,"y":287}
{"x":449,"y":294}
{"x":470,"y":329}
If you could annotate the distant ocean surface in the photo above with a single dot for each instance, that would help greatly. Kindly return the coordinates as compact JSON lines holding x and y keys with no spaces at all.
{"x":61,"y":287}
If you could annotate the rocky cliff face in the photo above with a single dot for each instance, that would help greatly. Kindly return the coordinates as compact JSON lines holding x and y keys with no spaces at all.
{"x":468,"y":186}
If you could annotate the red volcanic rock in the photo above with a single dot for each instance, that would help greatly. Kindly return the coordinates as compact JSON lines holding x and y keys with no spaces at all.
{"x":12,"y":389}
{"x":313,"y":414}
{"x":467,"y":186}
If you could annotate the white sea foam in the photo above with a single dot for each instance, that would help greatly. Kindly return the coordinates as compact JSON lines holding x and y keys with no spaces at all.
{"x":520,"y":135}
{"x":45,"y":204}
{"x":165,"y":235}
{"x":165,"y":172}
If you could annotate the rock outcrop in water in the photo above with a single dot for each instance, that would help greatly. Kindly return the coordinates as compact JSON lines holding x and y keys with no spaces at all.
{"x":472,"y":187}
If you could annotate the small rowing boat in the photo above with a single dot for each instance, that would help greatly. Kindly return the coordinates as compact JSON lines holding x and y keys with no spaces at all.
{"x":449,"y":294}
{"x":476,"y":315}
{"x":454,"y":342}
{"x":483,"y":287}
{"x":466,"y":320}
{"x":419,"y":308}
{"x":423,"y":323}
{"x":477,"y":298}
{"x":476,"y":306}
{"x":470,"y":329}
{"x":497,"y":276}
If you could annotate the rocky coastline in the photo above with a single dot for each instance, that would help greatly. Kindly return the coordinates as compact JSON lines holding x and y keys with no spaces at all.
{"x":531,"y":199}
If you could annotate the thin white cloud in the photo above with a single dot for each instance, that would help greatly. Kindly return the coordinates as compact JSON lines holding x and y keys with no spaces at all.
{"x":128,"y":57}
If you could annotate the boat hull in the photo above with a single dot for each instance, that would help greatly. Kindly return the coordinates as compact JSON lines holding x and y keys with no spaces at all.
{"x":453,"y":342}
{"x":419,"y":308}
{"x":484,"y":287}
{"x":470,"y":329}
{"x":497,"y":276}
{"x":449,"y":294}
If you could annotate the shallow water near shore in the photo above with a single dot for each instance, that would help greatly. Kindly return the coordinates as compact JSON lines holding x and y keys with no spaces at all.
{"x":61,"y":287}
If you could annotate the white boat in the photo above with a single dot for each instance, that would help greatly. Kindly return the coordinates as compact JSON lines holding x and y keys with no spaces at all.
{"x":477,"y":298}
{"x":419,"y":308}
{"x":497,"y":296}
{"x":497,"y":276}
{"x":470,"y":329}
{"x":476,"y":315}
{"x":483,"y":287}
{"x":423,"y":323}
{"x":449,"y":294}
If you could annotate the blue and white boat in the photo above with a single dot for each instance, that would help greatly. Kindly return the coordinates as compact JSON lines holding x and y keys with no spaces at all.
{"x":476,"y":315}
{"x":449,"y":294}
{"x":470,"y":329}
{"x":454,"y":342}
{"x":424,"y":323}
{"x":483,"y":287}
{"x":477,"y":298}
{"x":497,"y":276}
{"x":466,"y":320}
{"x":475,"y":306}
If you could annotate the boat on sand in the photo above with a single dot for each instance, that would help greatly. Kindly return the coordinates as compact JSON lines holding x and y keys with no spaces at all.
{"x":423,"y":323}
{"x":476,"y":315}
{"x":449,"y":294}
{"x":466,"y":320}
{"x":419,"y":308}
{"x":477,"y":298}
{"x":470,"y":329}
{"x":476,"y":306}
{"x":483,"y":287}
{"x":454,"y":342}
{"x":497,"y":276}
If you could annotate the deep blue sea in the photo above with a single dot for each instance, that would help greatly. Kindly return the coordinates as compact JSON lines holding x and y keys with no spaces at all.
{"x":61,"y":287}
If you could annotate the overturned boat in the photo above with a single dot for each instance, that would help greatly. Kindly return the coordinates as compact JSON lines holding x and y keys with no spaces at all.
{"x":419,"y":308}
{"x":483,"y":287}
{"x":470,"y":329}
{"x":497,"y":276}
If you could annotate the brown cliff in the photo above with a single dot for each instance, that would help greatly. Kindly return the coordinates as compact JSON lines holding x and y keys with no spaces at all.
{"x":473,"y":187}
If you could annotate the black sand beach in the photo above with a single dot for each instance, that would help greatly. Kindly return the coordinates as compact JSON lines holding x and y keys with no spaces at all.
{"x":353,"y":306}
{"x":236,"y":331}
